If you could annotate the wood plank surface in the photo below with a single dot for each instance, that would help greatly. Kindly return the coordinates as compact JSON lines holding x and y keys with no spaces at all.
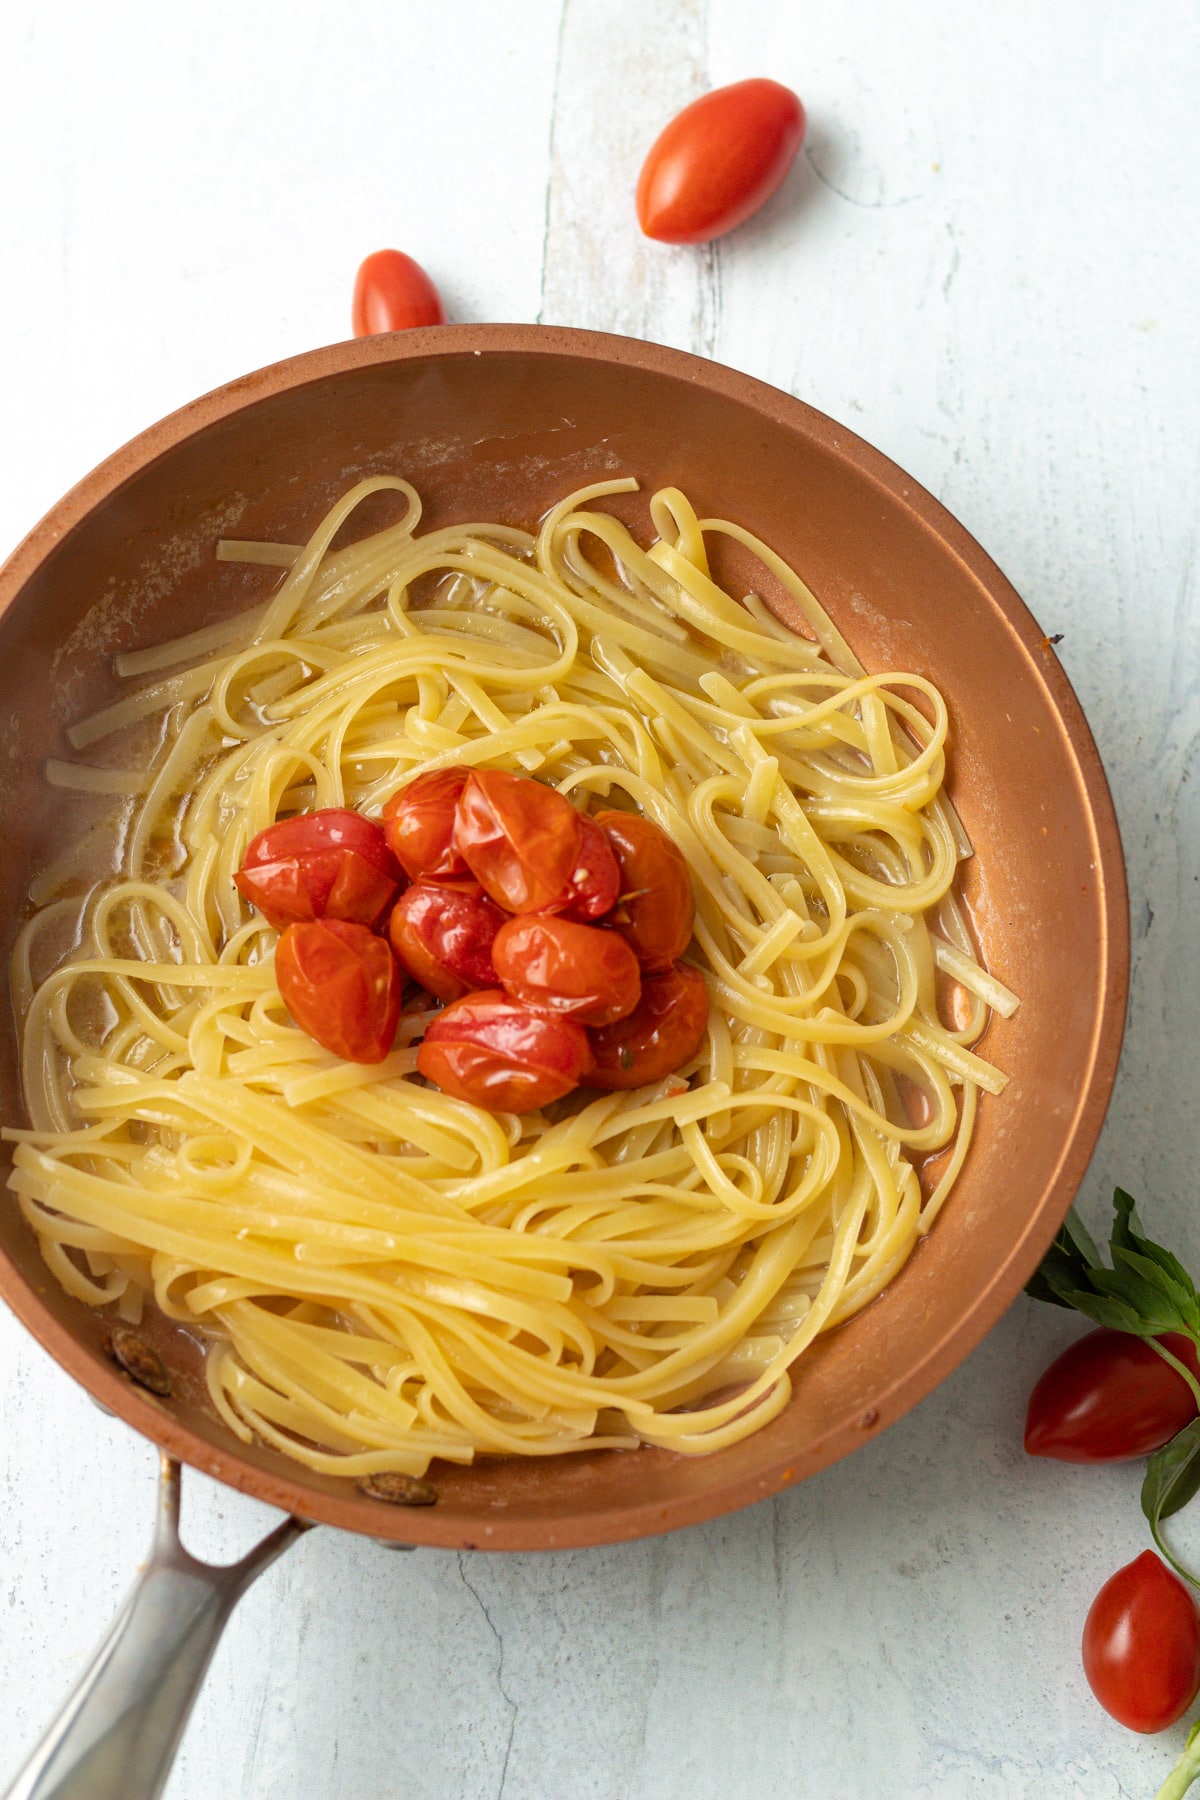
{"x":986,"y":262}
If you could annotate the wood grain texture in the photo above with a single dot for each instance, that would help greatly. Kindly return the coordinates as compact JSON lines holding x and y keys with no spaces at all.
{"x":985,"y":261}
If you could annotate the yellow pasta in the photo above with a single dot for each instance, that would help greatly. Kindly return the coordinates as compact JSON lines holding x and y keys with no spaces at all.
{"x":384,"y":1274}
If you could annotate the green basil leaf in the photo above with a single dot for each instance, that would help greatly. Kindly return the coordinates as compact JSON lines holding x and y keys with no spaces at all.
{"x":1066,"y":1265}
{"x":1055,"y":1277}
{"x":1146,"y":1298}
{"x":1172,"y":1475}
{"x":1081,"y":1241}
{"x":1108,"y":1310}
{"x":1129,"y":1234}
{"x":1038,"y":1287}
{"x":1182,"y":1299}
{"x":1126,"y":1226}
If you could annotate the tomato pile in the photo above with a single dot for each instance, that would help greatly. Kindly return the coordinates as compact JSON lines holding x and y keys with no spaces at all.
{"x":710,"y":168}
{"x":1131,"y":1389}
{"x":552,"y":937}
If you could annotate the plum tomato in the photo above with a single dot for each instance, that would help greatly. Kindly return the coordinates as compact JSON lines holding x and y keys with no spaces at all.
{"x":1110,"y":1397}
{"x":442,"y":932}
{"x":498,"y":1054}
{"x":574,"y":971}
{"x":519,"y":838}
{"x":393,"y":293}
{"x":662,"y":1032}
{"x":596,"y":879}
{"x":331,"y":864}
{"x":658,"y":908}
{"x":1141,"y":1645}
{"x":418,"y":824}
{"x":718,"y":161}
{"x":342,"y":985}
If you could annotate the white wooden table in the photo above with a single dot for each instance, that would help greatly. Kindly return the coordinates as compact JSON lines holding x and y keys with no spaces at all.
{"x":986,"y":263}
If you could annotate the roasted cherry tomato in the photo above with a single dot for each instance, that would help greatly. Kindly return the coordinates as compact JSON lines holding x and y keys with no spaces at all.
{"x":442,"y":933}
{"x":1110,"y":1397}
{"x":418,"y":824}
{"x":657,"y":907}
{"x":1141,"y":1645}
{"x":393,"y":293}
{"x":519,"y":838}
{"x":342,"y":985}
{"x":574,"y":971}
{"x":500,"y":1055}
{"x":718,"y":161}
{"x":332,"y":864}
{"x":596,"y":879}
{"x":662,"y":1032}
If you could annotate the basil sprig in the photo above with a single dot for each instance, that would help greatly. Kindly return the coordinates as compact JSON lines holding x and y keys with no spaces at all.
{"x":1145,"y":1291}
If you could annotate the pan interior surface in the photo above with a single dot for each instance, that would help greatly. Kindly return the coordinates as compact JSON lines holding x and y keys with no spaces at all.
{"x":498,"y":423}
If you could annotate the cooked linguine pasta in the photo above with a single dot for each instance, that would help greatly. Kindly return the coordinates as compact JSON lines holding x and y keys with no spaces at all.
{"x":383,"y":1274}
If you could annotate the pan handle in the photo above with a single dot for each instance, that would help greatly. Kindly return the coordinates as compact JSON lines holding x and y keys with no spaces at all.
{"x":116,"y":1736}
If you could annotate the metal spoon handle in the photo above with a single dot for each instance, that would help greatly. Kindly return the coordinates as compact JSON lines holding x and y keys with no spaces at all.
{"x":116,"y":1737}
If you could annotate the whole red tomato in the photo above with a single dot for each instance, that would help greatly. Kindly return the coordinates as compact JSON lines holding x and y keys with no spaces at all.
{"x":393,"y":293}
{"x":574,"y":971}
{"x":1110,"y":1397}
{"x":331,"y":864}
{"x":418,"y":823}
{"x":1141,"y":1645}
{"x":342,"y":985}
{"x":442,"y":932}
{"x":498,"y":1054}
{"x":662,"y":1032}
{"x":718,"y":161}
{"x":595,"y":880}
{"x":658,"y":907}
{"x":520,"y":839}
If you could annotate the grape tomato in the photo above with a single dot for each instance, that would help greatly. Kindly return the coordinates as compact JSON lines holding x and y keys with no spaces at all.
{"x":519,"y":838}
{"x":495,"y":1053}
{"x":393,"y":293}
{"x":418,"y":823}
{"x":1110,"y":1397}
{"x":341,"y":985}
{"x":596,"y":879}
{"x":718,"y":161}
{"x":1141,"y":1645}
{"x":657,"y":906}
{"x":574,"y":971}
{"x":442,"y":934}
{"x":333,"y":864}
{"x":663,"y":1031}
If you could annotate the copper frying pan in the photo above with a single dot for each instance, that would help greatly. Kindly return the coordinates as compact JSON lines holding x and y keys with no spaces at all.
{"x":497,"y":421}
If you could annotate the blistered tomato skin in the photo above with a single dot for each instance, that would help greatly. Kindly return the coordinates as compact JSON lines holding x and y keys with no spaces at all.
{"x":1110,"y":1397}
{"x":658,"y":907}
{"x":497,"y":1054}
{"x":1141,"y":1645}
{"x":663,"y":1032}
{"x":558,"y":966}
{"x":519,"y":838}
{"x":596,"y":879}
{"x":418,"y":823}
{"x":442,"y":934}
{"x":718,"y":161}
{"x":342,"y":986}
{"x":393,"y":293}
{"x":330,"y":864}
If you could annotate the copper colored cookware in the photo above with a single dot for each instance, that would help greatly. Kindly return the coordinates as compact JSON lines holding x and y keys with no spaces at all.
{"x":497,"y":422}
